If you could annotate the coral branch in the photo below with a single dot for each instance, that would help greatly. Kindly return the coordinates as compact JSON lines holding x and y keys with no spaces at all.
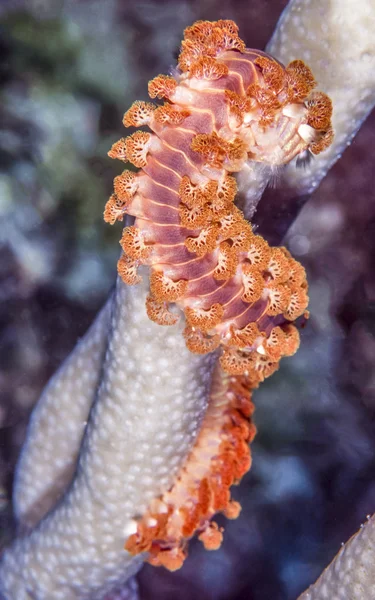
{"x":352,"y":572}
{"x":342,"y":57}
{"x":50,"y":453}
{"x":338,"y":43}
{"x":145,"y":418}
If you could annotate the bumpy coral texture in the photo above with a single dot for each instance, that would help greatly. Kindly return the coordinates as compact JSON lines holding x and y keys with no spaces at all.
{"x":226,"y":107}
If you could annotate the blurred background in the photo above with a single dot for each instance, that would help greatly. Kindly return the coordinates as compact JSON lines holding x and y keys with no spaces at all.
{"x":68,"y":71}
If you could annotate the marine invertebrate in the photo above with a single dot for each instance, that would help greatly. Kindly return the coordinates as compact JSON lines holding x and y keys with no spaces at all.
{"x":229,"y":107}
{"x":45,"y":550}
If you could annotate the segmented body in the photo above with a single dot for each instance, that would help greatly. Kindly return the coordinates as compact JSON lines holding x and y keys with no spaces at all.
{"x":230,"y":105}
{"x":227,"y":107}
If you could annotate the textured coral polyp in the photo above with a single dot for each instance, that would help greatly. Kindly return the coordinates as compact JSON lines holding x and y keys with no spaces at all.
{"x":227,"y":107}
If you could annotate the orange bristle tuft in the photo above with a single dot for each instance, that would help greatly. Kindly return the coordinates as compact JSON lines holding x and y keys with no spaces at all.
{"x":139,"y":114}
{"x":204,"y":319}
{"x":162,"y":86}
